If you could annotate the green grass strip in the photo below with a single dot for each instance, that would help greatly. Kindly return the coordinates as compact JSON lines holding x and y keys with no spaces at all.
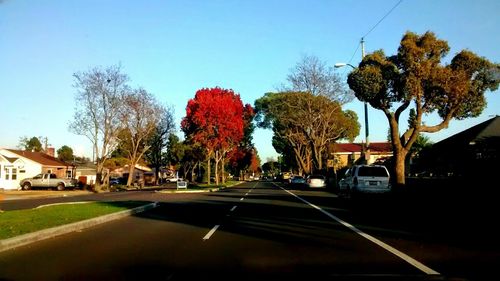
{"x":213,"y":185}
{"x":17,"y":222}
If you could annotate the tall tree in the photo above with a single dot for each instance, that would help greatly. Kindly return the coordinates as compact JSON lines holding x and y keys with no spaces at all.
{"x":32,"y":144}
{"x":312,"y":75}
{"x":416,"y":78}
{"x":175,"y":151}
{"x":139,"y":116}
{"x":98,"y":104}
{"x":65,"y":153}
{"x":307,"y":123}
{"x":159,"y":139}
{"x":192,"y":156}
{"x":214,"y":118}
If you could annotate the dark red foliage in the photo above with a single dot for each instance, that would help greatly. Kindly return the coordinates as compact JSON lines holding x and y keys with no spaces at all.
{"x":215,"y":118}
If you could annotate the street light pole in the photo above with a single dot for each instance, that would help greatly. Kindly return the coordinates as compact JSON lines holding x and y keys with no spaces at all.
{"x":367,"y":131}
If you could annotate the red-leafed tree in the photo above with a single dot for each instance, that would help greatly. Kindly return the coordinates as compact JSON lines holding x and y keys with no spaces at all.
{"x":215,"y":119}
{"x":240,"y":158}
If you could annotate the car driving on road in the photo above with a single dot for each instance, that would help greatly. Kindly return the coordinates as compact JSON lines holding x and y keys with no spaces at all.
{"x":298,"y":180}
{"x":315,"y":181}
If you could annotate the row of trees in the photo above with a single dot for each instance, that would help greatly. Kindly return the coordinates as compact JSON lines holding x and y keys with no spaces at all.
{"x":306,"y":115}
{"x":112,"y":115}
{"x":64,"y":153}
{"x":129,"y":126}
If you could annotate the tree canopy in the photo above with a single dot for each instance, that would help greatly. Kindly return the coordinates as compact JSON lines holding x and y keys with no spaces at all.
{"x":97,"y":112}
{"x":305,"y":124}
{"x":32,"y":144}
{"x":416,"y":78}
{"x":313,"y":76}
{"x":65,"y":153}
{"x":215,"y":118}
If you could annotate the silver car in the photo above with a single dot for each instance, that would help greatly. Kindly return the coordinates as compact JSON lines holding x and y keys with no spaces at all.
{"x":365,"y":179}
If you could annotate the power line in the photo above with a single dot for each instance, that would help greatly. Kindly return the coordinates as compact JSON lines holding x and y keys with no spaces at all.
{"x":388,"y":13}
{"x":362,"y":38}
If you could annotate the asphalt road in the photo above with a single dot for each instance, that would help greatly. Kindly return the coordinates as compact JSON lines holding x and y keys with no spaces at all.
{"x":260,"y":231}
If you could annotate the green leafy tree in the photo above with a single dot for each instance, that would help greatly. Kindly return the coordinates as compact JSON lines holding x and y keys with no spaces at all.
{"x":175,"y":151}
{"x":32,"y":144}
{"x":156,"y":155}
{"x":305,"y":124}
{"x":65,"y":153}
{"x":416,"y":78}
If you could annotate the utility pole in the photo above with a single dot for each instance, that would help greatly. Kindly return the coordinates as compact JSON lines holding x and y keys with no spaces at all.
{"x":366,"y":150}
{"x":367,"y":131}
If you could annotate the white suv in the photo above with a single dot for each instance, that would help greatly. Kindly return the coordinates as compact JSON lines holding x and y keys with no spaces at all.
{"x":365,"y":179}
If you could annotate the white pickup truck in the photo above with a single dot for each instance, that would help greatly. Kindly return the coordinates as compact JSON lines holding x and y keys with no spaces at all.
{"x":47,"y":181}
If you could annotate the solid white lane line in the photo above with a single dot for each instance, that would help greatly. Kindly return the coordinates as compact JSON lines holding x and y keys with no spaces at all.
{"x":233,"y":208}
{"x":241,"y":199}
{"x":211,"y":232}
{"x":387,"y":247}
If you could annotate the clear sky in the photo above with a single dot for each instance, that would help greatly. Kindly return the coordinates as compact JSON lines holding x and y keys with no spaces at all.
{"x":173,"y":48}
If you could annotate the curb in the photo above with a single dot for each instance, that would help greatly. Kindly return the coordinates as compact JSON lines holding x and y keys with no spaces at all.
{"x":29,"y":238}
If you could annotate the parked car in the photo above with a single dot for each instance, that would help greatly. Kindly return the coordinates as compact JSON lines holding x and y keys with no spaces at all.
{"x":174,"y":179}
{"x":47,"y":181}
{"x":298,"y":180}
{"x":315,"y":181}
{"x":114,"y":181}
{"x":365,"y":179}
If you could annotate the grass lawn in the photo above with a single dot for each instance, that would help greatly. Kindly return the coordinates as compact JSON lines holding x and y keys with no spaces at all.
{"x":14,"y":223}
{"x":207,"y":186}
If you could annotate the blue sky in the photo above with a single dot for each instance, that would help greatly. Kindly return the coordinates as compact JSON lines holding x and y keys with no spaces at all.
{"x":173,"y":48}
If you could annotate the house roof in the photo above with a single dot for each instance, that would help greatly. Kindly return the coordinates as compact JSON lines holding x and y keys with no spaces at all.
{"x":483,"y":131}
{"x":375,"y":147}
{"x":10,"y":159}
{"x":40,"y":157}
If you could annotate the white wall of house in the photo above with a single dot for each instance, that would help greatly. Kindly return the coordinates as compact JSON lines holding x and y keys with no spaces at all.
{"x":11,"y":174}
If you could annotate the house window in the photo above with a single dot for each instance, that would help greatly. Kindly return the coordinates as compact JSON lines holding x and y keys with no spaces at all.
{"x":69,"y":174}
{"x":7,"y":174}
{"x":14,"y":174}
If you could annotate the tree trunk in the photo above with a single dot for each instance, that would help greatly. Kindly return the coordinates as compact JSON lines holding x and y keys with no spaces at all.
{"x":216,"y":167}
{"x":223,"y":171}
{"x":208,"y":170}
{"x":157,"y":175}
{"x":98,"y":179}
{"x":399,"y":168}
{"x":130,"y":174}
{"x":191,"y":172}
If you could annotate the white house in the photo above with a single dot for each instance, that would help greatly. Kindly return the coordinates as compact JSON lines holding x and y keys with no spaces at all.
{"x":16,"y":165}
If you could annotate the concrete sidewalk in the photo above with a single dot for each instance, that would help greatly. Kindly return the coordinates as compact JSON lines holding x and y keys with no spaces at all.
{"x":31,"y":194}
